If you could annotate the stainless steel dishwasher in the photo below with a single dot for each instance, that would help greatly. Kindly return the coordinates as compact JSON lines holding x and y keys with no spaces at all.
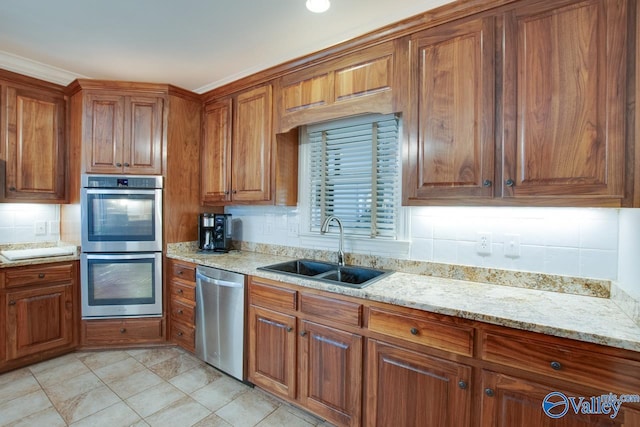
{"x":220,"y":315}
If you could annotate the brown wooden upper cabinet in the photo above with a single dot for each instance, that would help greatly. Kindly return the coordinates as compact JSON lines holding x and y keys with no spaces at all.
{"x":360,"y":82}
{"x":122,"y":133}
{"x":560,"y":107}
{"x":35,"y":148}
{"x":242,"y":159}
{"x":452,"y":153}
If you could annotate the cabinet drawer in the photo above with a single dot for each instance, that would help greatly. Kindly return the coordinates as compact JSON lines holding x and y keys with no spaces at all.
{"x":183,"y":271}
{"x":183,"y":312}
{"x":422,"y":330}
{"x":131,"y":331}
{"x":38,"y":274}
{"x":182,"y":290}
{"x":269,"y":296}
{"x":346,"y":312}
{"x":183,"y":335}
{"x":607,"y":373}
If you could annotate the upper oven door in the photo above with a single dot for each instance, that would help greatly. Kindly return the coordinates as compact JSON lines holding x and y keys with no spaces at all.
{"x":121,"y":220}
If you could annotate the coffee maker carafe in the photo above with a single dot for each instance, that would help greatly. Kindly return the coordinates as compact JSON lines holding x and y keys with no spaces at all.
{"x":214,"y":232}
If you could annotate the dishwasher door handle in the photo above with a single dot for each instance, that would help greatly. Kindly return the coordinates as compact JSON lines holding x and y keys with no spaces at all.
{"x":218,"y":282}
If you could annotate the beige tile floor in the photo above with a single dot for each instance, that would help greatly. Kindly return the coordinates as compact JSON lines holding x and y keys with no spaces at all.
{"x":145,"y":387}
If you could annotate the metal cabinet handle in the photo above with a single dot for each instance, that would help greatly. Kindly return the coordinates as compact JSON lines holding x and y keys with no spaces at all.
{"x":12,"y":188}
{"x":123,"y":330}
{"x":180,"y":291}
{"x":12,"y":302}
{"x":487,"y":183}
{"x":179,"y":272}
{"x":180,"y":334}
{"x":462,"y":384}
{"x":41,"y":276}
{"x":180,"y":311}
{"x":414,"y":331}
{"x":489,"y":392}
{"x":234,"y":191}
{"x":289,"y":329}
{"x":119,"y":164}
{"x":510,"y":182}
{"x":303,"y":333}
{"x":556,"y":366}
{"x":126,"y":164}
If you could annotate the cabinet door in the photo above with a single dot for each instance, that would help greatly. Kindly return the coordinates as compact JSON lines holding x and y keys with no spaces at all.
{"x":103,"y":130}
{"x":510,"y":401}
{"x":272,"y":351}
{"x":405,"y":388}
{"x":215,"y":156}
{"x":453,"y":152}
{"x":251,"y":153}
{"x":39,"y":319}
{"x":142,"y":150}
{"x":565,"y":91}
{"x":331,"y":373}
{"x":36,"y":148}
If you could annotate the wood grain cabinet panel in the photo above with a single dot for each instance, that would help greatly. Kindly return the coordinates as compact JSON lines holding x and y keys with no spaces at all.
{"x":36,"y":147}
{"x":330,"y":367}
{"x":564,"y":97}
{"x":511,"y":401}
{"x":181,"y":277}
{"x":452,"y":154}
{"x":406,"y":388}
{"x":311,"y":92}
{"x":216,"y":152}
{"x":272,"y":351}
{"x":123,"y":332}
{"x":123,"y":133}
{"x":39,"y":274}
{"x":39,"y":319}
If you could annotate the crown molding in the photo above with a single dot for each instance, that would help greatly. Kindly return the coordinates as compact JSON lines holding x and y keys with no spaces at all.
{"x":27,"y":67}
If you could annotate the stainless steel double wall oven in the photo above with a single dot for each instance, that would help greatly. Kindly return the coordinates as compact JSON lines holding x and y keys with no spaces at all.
{"x":121,"y":262}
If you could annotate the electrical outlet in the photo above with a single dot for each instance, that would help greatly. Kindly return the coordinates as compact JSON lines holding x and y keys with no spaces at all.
{"x":292,"y":228}
{"x":512,"y":245}
{"x":483,"y":243}
{"x":40,"y":228}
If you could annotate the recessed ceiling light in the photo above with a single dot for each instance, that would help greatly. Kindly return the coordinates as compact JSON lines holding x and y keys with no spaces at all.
{"x":318,"y":6}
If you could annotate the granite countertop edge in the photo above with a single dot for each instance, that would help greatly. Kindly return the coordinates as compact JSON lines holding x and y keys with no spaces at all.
{"x":583,"y":318}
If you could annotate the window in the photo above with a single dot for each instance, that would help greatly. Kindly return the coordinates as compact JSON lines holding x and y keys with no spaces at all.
{"x":354,"y":174}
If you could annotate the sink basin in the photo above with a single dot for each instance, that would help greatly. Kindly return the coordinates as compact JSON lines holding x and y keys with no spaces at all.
{"x":352,"y":276}
{"x":302,"y":267}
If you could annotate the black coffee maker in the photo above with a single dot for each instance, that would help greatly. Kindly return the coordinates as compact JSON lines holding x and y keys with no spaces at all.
{"x":214,"y":232}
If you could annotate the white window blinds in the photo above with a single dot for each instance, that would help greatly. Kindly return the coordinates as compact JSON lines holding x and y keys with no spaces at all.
{"x":354,"y":168}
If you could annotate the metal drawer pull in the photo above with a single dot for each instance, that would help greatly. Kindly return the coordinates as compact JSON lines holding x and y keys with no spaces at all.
{"x":179,"y":334}
{"x":123,"y":330}
{"x":180,"y":311}
{"x":289,"y":329}
{"x":12,"y":302}
{"x":303,"y":333}
{"x":41,"y":276}
{"x":414,"y":331}
{"x":489,"y":392}
{"x":462,"y":384}
{"x":180,"y":291}
{"x":556,"y":366}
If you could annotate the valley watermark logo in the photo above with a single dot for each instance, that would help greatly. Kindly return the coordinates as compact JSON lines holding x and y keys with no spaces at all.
{"x":557,"y":404}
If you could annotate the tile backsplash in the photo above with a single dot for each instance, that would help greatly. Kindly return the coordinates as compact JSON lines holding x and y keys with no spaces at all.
{"x":576,"y":242}
{"x":23,"y":222}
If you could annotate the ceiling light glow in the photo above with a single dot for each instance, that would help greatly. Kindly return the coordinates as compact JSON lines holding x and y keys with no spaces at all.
{"x":318,"y":6}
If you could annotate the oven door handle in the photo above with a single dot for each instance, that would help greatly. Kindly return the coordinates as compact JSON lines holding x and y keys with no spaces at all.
{"x":218,"y":282}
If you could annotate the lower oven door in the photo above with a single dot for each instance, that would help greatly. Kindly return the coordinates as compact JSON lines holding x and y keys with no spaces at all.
{"x":121,"y":285}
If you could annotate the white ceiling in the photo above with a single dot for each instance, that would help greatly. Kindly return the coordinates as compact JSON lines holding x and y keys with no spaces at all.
{"x":194,"y":44}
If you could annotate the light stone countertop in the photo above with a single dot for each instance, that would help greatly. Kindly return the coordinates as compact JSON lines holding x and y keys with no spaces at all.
{"x":583,"y":318}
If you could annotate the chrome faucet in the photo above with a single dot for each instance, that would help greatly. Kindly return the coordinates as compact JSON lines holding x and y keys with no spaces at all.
{"x":325,"y":228}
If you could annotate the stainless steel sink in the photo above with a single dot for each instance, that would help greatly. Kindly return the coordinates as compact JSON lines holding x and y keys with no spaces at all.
{"x":352,"y":276}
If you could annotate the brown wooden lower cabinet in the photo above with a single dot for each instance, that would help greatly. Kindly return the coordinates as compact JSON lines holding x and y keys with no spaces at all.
{"x":511,"y":401}
{"x":396,"y":366}
{"x":407,"y":388}
{"x":272,"y":351}
{"x":39,"y":312}
{"x":330,"y":372}
{"x":122,"y":332}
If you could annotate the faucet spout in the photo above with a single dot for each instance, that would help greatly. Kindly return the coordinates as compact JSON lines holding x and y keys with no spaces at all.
{"x":325,"y":228}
